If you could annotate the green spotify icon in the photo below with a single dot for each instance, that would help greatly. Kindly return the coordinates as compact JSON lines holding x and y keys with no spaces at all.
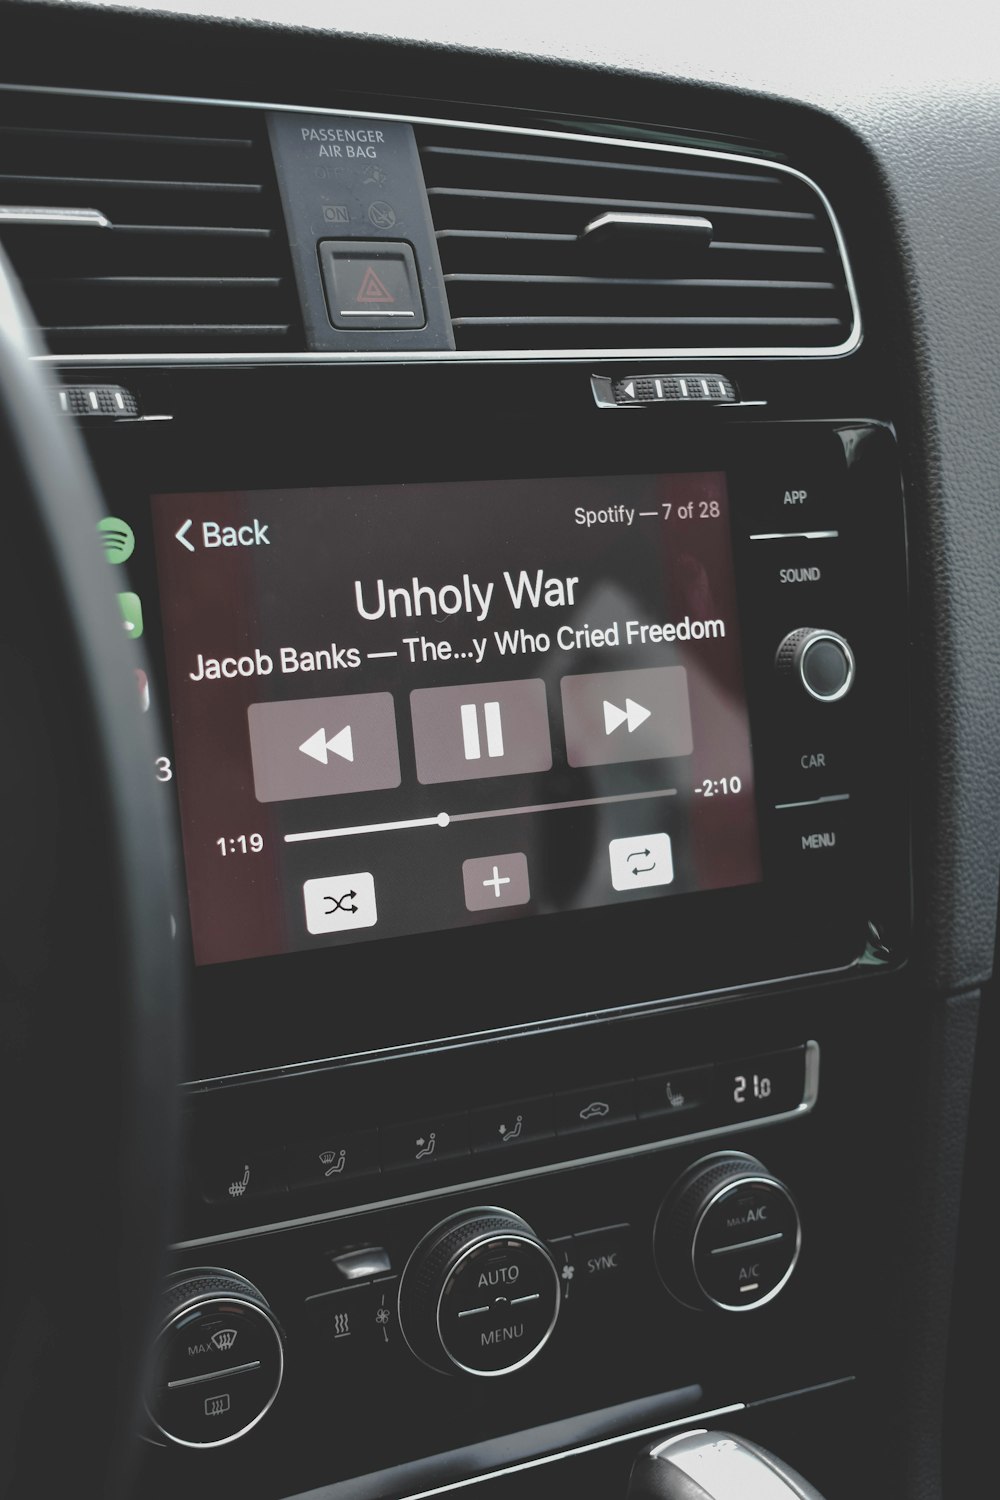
{"x":118,"y":538}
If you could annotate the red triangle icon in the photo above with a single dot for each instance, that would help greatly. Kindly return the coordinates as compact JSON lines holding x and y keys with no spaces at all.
{"x":373,"y":289}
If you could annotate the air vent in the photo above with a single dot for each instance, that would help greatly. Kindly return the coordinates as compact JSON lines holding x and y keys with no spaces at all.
{"x":192,"y":255}
{"x":511,"y":213}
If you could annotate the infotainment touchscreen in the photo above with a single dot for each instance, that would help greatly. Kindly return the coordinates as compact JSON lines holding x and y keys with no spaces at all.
{"x":398,"y":709}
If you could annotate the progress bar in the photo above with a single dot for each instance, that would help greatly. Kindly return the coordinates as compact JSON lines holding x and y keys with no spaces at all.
{"x":443,"y":819}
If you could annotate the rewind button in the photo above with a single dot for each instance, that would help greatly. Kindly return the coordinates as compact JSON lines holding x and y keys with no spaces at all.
{"x":318,"y":747}
{"x":323,"y":747}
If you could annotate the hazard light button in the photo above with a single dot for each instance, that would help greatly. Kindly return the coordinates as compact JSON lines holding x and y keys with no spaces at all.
{"x":371,"y":284}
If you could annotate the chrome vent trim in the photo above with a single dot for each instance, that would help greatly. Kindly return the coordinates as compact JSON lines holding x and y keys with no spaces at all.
{"x":545,"y":352}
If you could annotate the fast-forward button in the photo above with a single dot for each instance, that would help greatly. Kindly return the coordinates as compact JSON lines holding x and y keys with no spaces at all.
{"x":643,"y":714}
{"x":633,"y":714}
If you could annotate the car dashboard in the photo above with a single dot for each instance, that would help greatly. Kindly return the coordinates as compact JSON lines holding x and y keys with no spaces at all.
{"x":550,"y":506}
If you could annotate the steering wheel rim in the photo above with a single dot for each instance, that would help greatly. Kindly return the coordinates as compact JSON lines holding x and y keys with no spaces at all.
{"x":91,"y":980}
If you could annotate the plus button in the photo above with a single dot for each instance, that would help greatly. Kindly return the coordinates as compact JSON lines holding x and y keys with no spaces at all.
{"x":497,"y":881}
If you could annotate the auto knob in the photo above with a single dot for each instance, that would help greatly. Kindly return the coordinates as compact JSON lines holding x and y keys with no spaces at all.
{"x":727,"y":1235}
{"x":479,"y":1295}
{"x":817,"y":662}
{"x":220,"y":1359}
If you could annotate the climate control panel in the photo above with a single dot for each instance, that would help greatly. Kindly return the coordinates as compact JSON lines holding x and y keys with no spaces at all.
{"x":480,"y":1294}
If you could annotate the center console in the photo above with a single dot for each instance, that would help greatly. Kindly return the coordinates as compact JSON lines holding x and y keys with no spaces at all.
{"x":525,"y":776}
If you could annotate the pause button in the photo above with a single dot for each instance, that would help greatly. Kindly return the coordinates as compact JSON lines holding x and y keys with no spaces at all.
{"x":470,"y":730}
{"x":480,"y":729}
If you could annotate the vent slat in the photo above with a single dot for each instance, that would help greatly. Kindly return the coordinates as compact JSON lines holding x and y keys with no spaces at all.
{"x":642,"y":205}
{"x":126,"y":137}
{"x":247,"y":231}
{"x":706,"y":322}
{"x":571,"y":239}
{"x":507,"y":279}
{"x":196,"y":258}
{"x":218,"y":283}
{"x":504,"y":234}
{"x":651,"y":168}
{"x":509,"y":212}
{"x":134,"y":184}
{"x":173,"y":330}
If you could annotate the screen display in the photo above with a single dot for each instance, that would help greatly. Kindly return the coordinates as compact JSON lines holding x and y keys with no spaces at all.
{"x":404,"y":708}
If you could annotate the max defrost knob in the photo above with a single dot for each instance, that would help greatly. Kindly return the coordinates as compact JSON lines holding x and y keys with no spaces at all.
{"x":220,"y":1357}
{"x":480,"y":1294}
{"x":820,"y":662}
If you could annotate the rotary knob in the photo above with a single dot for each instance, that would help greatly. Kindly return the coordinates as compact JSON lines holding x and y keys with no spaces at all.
{"x":818,"y":661}
{"x":480,"y":1294}
{"x":219,"y":1357}
{"x":728,"y":1234}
